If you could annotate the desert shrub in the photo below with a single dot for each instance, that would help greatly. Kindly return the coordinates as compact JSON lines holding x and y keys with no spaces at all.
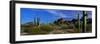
{"x":77,"y":27}
{"x":22,"y":30}
{"x":35,"y":30}
{"x":46,"y":28}
{"x":89,"y":28}
{"x":43,"y":29}
{"x":70,"y":26}
{"x":66,"y":27}
{"x":26,"y":30}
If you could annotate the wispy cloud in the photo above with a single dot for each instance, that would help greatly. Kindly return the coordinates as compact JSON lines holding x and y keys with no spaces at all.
{"x":57,"y":13}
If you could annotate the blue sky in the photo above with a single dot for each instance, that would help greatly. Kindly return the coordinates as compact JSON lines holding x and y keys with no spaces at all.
{"x":48,"y":15}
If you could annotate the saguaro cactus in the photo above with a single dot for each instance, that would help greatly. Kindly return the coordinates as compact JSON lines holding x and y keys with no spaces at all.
{"x":78,"y":18}
{"x":84,"y":21}
{"x":36,"y":21}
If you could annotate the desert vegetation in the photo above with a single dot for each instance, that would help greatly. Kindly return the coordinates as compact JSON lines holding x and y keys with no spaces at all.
{"x":59,"y":26}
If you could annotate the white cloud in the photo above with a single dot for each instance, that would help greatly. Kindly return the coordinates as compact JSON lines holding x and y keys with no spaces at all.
{"x":57,"y":13}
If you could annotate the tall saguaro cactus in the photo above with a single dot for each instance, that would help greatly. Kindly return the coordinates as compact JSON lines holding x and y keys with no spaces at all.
{"x":78,"y":18}
{"x":37,"y":21}
{"x":34,"y":21}
{"x":84,"y":21}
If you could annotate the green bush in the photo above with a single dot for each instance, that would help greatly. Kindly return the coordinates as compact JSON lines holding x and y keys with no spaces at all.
{"x":89,"y":28}
{"x":36,"y":30}
{"x":43,"y":29}
{"x":66,"y":27}
{"x":26,"y":30}
{"x":46,"y":28}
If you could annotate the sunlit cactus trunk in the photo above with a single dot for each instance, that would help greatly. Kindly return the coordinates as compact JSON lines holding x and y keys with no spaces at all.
{"x":84,"y":21}
{"x":78,"y":17}
{"x":36,"y":21}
